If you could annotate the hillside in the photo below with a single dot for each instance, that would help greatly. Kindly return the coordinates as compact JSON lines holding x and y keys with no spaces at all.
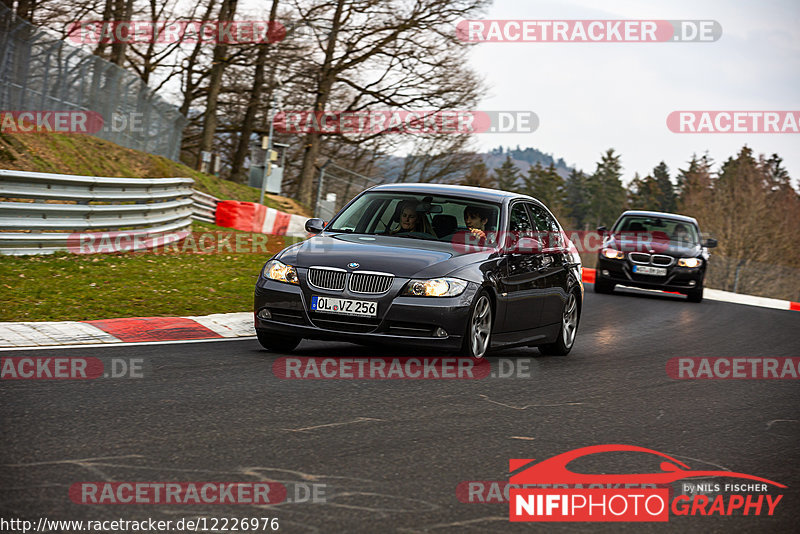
{"x":91,"y":156}
{"x":523,"y":158}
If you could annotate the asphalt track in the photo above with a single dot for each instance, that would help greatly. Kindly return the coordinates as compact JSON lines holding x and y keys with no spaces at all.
{"x":391,"y":453}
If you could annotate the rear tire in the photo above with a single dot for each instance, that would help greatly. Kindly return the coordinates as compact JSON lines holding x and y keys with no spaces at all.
{"x":569,"y":329}
{"x":276,"y":342}
{"x":696,"y":295}
{"x":601,"y":286}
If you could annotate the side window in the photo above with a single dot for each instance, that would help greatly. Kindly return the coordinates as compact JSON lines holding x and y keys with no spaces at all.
{"x":519,"y":223}
{"x":546,"y":224}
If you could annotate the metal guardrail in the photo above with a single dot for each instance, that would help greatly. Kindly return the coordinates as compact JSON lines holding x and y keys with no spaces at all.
{"x":42,"y":212}
{"x":204,"y":207}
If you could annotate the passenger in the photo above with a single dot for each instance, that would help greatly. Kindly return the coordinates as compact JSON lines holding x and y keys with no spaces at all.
{"x":475,"y":219}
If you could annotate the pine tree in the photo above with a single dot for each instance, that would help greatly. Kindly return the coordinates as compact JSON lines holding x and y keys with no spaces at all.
{"x":666,"y":190}
{"x":607,"y":194}
{"x":547,"y":186}
{"x":506,"y":175}
{"x":644,"y":193}
{"x":477,"y":176}
{"x":577,"y":199}
{"x":695,"y":185}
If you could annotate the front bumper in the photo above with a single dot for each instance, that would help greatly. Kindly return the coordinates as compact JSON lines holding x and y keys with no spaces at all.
{"x":412,"y":321}
{"x":680,"y":279}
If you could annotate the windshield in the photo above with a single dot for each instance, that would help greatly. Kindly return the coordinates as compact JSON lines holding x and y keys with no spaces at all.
{"x":416,"y":216}
{"x":659,"y":228}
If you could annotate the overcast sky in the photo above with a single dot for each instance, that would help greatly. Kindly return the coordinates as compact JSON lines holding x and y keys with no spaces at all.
{"x":593,"y":96}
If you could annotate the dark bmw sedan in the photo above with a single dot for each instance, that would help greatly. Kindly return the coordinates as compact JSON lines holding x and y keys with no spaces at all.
{"x":435,"y":266}
{"x":654,"y":250}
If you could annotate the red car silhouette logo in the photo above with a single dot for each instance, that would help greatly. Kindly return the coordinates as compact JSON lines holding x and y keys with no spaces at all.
{"x":554,"y":470}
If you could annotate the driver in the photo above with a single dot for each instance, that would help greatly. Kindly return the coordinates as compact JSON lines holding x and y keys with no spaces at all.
{"x":681,"y":234}
{"x":410,"y":219}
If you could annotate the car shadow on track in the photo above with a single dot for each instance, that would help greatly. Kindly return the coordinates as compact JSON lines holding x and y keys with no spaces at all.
{"x":647,"y":293}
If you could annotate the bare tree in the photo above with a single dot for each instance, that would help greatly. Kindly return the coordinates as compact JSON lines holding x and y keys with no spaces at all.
{"x":248,"y":122}
{"x":392,"y":53}
{"x":226,"y":13}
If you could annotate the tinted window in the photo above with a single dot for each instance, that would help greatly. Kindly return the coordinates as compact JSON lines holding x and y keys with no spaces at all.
{"x":547,"y":224}
{"x":519,"y":222}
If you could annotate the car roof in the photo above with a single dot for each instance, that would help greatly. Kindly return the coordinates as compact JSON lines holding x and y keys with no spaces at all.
{"x":675,"y":216}
{"x":476,"y":193}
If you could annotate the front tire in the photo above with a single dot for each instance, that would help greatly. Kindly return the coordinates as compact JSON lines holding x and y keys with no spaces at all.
{"x":569,"y":329}
{"x":695,"y":295}
{"x":478,"y":334}
{"x":276,"y":342}
{"x":601,"y":286}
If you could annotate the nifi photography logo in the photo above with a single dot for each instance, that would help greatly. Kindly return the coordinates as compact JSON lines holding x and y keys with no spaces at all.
{"x":549,"y":491}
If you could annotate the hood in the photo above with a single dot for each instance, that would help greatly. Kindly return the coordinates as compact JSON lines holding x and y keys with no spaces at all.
{"x":652,"y":245}
{"x":404,"y":257}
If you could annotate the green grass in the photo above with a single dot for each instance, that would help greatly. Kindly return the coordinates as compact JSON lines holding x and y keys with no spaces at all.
{"x":91,"y":156}
{"x":66,"y":286}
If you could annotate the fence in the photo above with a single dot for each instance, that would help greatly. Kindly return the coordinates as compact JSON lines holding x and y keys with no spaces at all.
{"x":42,"y":213}
{"x":336,"y":186}
{"x":40,"y":72}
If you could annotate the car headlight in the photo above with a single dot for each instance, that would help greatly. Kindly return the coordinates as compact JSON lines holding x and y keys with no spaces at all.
{"x":435,"y":287}
{"x":690,"y":262}
{"x":612,"y":254}
{"x":275,"y":270}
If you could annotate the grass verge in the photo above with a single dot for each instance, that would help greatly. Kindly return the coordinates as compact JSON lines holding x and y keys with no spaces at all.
{"x":76,"y":287}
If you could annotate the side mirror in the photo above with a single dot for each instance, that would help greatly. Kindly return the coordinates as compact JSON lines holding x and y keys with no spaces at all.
{"x":315,"y":226}
{"x":602,"y":229}
{"x":710,"y":243}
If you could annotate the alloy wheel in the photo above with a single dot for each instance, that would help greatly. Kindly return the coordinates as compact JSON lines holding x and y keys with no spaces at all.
{"x":570,"y":322}
{"x":481,"y":327}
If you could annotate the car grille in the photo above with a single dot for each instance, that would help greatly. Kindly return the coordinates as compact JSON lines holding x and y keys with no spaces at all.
{"x":325,"y":278}
{"x":370,"y":283}
{"x":659,"y":260}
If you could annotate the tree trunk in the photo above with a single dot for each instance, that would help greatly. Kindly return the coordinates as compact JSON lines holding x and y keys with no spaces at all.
{"x":243,"y":146}
{"x":324,"y":84}
{"x":226,"y":13}
{"x":122,"y":11}
{"x":191,"y":62}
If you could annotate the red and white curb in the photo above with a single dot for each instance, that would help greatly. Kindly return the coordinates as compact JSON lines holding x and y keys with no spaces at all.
{"x":219,"y":326}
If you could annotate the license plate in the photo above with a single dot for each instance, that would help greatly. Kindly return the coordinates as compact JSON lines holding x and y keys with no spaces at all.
{"x":655,"y":271}
{"x":361,"y":308}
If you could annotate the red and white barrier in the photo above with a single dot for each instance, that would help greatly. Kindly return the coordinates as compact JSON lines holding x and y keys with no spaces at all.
{"x":252,"y":217}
